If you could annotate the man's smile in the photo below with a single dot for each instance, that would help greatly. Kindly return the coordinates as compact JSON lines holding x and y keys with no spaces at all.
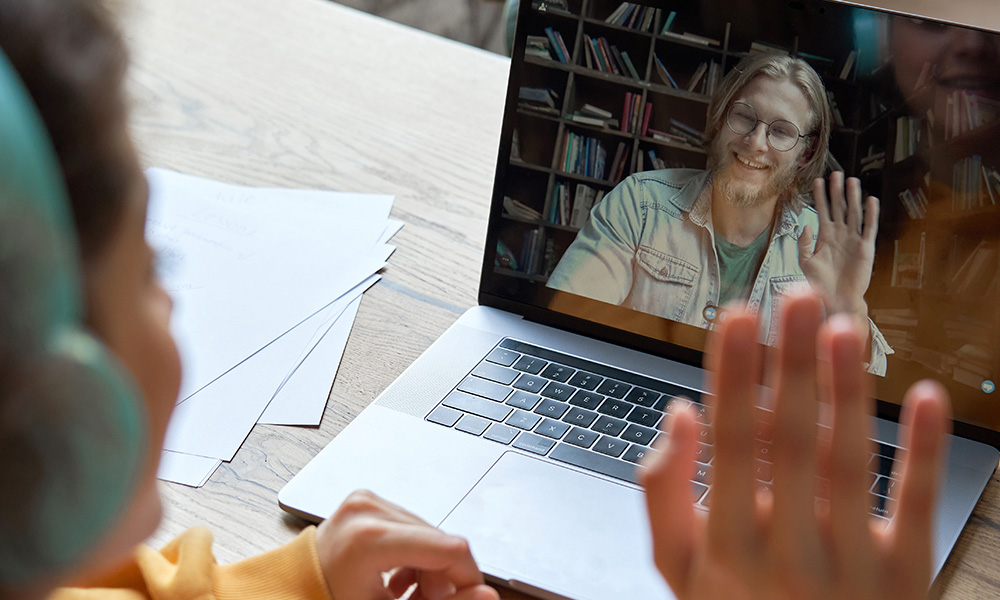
{"x":750,"y":164}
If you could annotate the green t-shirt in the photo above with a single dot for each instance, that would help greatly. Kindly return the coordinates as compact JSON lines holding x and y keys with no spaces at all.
{"x":738,"y":266}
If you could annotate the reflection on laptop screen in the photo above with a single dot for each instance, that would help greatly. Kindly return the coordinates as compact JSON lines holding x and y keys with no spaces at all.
{"x":659,"y":168}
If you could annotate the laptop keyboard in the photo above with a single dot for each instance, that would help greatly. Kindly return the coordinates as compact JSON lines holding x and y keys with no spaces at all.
{"x":599,"y":418}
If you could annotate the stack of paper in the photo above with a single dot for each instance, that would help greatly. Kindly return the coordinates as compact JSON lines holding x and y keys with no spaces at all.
{"x":266,"y":284}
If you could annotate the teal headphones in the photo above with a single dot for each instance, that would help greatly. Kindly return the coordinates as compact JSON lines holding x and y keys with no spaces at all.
{"x":72,"y":427}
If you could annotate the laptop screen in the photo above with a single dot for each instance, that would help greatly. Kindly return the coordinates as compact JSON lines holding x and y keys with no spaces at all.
{"x":657,"y":166}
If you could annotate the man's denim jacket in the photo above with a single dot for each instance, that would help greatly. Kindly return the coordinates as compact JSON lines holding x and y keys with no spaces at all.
{"x":650,"y":246}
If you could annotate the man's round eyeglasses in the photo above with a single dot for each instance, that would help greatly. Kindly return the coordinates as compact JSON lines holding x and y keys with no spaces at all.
{"x":781,"y":135}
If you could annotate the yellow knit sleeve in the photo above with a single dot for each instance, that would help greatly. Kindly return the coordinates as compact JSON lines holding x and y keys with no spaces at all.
{"x":185,"y":569}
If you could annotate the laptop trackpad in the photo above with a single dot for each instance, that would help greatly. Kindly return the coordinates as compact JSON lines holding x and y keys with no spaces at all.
{"x":538,"y":525}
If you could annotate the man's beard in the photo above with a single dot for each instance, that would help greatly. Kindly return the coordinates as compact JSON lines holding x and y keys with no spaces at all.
{"x":744,"y":194}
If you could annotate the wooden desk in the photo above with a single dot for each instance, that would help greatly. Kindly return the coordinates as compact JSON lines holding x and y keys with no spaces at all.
{"x":305,"y":93}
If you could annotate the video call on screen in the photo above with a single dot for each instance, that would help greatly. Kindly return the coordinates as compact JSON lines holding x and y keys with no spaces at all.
{"x":916,"y":116}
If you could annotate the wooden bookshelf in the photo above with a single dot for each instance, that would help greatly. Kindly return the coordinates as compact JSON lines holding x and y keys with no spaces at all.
{"x":579,"y":81}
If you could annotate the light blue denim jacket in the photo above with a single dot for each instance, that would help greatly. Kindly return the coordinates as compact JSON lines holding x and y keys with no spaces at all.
{"x":650,"y":246}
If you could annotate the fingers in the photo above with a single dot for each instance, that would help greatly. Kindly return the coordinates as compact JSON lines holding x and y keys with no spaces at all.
{"x":735,"y":366}
{"x":805,"y":244}
{"x":838,"y":204}
{"x":845,"y":381}
{"x":853,"y":196}
{"x":667,"y":481}
{"x":795,"y":417}
{"x":819,"y":197}
{"x":925,"y":421}
{"x":428,"y":549}
{"x":871,"y":220}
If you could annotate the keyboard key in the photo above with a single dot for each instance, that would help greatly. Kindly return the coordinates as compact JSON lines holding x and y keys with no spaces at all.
{"x":703,"y":474}
{"x":534,"y":443}
{"x":486,"y":389}
{"x":501,"y":433}
{"x":495,"y":373}
{"x":530,"y":364}
{"x":615,"y":408}
{"x":593,"y":461}
{"x":585,"y":380}
{"x":609,"y":425}
{"x":643,"y":397}
{"x":523,"y":400}
{"x":552,"y":428}
{"x":610,"y":446}
{"x":588,"y":400}
{"x":502,"y":357}
{"x":581,"y":437}
{"x":610,"y":387}
{"x":881,"y":507}
{"x":883,"y":465}
{"x":697,"y":491}
{"x":763,"y":471}
{"x":477,"y":406}
{"x":638,"y":434}
{"x":473,"y":424}
{"x":579,"y":416}
{"x":523,"y":420}
{"x":560,"y":373}
{"x":530,"y":383}
{"x":551,"y":408}
{"x":443,"y":415}
{"x":883,"y":486}
{"x":668,"y":404}
{"x":637,"y":453}
{"x":644,"y":416}
{"x":559,"y":391}
{"x":704,"y":453}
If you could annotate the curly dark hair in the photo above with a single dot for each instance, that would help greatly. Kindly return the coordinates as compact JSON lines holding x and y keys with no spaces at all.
{"x":72,"y":59}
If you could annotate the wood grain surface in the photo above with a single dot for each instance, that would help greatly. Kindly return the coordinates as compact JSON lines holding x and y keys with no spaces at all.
{"x":310,"y":94}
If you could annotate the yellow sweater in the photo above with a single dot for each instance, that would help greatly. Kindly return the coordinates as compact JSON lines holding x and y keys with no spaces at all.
{"x":185,"y":569}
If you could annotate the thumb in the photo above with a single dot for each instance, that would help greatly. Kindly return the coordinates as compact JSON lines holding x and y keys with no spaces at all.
{"x":805,"y":244}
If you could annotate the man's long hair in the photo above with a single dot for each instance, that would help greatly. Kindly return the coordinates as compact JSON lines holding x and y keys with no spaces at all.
{"x":798,"y":72}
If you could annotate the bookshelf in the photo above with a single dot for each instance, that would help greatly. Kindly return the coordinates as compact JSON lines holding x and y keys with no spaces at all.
{"x":941,"y":216}
{"x":650,"y":118}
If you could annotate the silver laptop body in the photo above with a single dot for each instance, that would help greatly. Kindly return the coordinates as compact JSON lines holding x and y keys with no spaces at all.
{"x":506,"y":464}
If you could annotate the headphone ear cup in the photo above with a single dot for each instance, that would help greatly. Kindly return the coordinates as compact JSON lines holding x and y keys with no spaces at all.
{"x":75,"y":433}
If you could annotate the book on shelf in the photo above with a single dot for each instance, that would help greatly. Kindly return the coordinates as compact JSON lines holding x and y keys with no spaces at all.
{"x":696,"y":76}
{"x":965,"y":112}
{"x":873,"y":161}
{"x":592,"y":115}
{"x":538,"y":46}
{"x":537,"y":97}
{"x":529,"y":250}
{"x":634,"y":16}
{"x":838,"y":117}
{"x":655,"y":161}
{"x":583,"y":201}
{"x":647,"y":114}
{"x":915,"y":203}
{"x":977,"y":271}
{"x":766,"y":48}
{"x":669,"y":22}
{"x":687,"y":36}
{"x":557,"y":44}
{"x":517,"y":209}
{"x":664,"y":74}
{"x":972,"y":184}
{"x":907,"y":268}
{"x":663,"y":136}
{"x":628,"y":65}
{"x":692,"y":135}
{"x":617,"y":170}
{"x":849,"y":62}
{"x":583,"y":155}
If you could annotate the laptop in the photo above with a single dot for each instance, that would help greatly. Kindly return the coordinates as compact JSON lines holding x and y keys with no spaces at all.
{"x":522,"y":426}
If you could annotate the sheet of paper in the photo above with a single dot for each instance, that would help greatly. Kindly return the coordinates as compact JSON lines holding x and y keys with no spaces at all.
{"x":187,"y":469}
{"x":214,"y":421}
{"x":302,"y":398}
{"x":284,"y":255}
